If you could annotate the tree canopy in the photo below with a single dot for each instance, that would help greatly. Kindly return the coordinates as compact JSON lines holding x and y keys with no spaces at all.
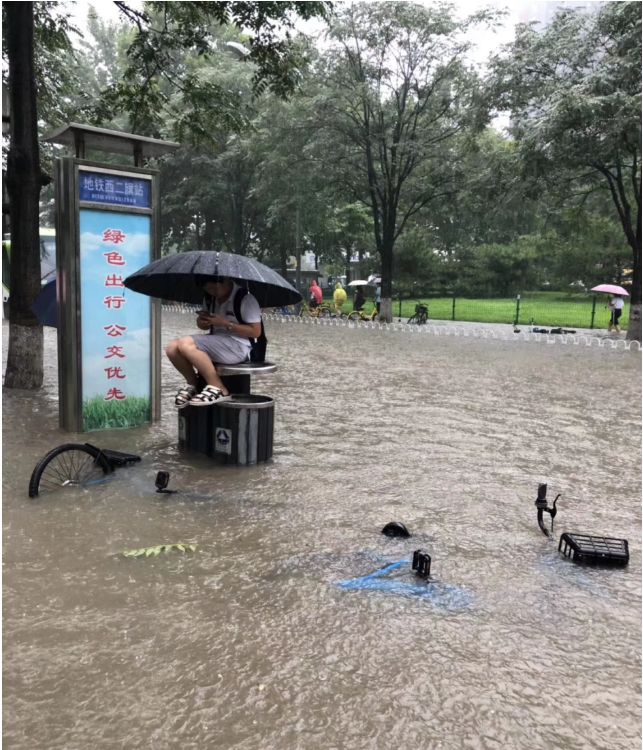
{"x":574,"y":94}
{"x":375,"y":151}
{"x":170,"y":78}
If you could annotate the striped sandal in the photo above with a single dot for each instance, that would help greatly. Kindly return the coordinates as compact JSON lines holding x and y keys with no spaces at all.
{"x":209,"y":395}
{"x":184,"y":396}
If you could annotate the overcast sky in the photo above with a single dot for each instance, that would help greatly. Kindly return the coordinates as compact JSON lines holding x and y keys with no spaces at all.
{"x":485,"y":42}
{"x":519,"y":11}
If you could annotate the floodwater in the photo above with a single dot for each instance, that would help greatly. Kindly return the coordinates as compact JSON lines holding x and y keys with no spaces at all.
{"x":262,"y":639}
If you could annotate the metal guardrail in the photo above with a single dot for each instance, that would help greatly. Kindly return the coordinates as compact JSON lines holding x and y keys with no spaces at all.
{"x":444,"y":328}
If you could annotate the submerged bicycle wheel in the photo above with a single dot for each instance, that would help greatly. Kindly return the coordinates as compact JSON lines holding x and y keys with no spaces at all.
{"x":68,"y":465}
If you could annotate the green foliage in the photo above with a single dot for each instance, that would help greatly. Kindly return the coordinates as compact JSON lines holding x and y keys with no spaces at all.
{"x":57,"y":81}
{"x":501,"y":270}
{"x":157,"y":69}
{"x":61,"y":93}
{"x":585,"y":246}
{"x":398,"y":95}
{"x":349,"y":228}
{"x":574,"y":93}
{"x":160,"y":549}
{"x":417,"y":265}
{"x":364,"y":153}
{"x":99,"y":414}
{"x":574,"y":89}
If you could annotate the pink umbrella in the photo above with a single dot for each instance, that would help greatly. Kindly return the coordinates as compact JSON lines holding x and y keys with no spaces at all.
{"x":611,"y":289}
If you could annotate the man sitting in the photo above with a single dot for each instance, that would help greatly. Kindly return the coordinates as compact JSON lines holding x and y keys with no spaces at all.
{"x":227,"y":343}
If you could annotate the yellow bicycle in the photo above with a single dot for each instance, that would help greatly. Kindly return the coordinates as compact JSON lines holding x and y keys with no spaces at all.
{"x":321,"y":311}
{"x":361,"y":315}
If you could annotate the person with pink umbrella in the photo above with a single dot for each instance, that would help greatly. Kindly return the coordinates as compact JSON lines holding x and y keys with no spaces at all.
{"x":616,"y":303}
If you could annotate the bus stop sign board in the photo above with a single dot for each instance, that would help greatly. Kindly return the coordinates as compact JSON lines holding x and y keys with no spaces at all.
{"x":108,"y":336}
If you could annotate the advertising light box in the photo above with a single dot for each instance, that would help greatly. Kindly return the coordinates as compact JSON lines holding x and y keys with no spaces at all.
{"x":108,"y":225}
{"x":115,"y":328}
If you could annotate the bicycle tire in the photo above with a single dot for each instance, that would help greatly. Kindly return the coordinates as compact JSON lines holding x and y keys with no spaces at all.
{"x":354,"y":316}
{"x":83,"y":465}
{"x":412,"y":319}
{"x":325,"y":312}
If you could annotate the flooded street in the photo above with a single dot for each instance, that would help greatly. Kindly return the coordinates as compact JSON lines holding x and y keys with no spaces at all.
{"x":251,"y":643}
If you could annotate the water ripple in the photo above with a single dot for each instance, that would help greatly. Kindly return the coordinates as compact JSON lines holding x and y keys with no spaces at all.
{"x":250,"y":642}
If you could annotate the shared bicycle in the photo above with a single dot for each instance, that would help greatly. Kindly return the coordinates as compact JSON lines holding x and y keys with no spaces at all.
{"x":421,"y":314}
{"x":361,"y":315}
{"x":321,"y":311}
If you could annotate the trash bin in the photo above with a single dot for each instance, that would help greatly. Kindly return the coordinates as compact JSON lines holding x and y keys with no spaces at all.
{"x":238,"y":431}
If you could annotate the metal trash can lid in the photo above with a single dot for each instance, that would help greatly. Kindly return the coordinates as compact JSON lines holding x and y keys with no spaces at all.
{"x":247,"y":401}
{"x":247,"y":368}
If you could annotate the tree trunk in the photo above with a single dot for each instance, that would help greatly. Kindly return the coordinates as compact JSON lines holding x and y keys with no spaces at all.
{"x":24,"y":356}
{"x":632,"y":229}
{"x":634,"y":323}
{"x":386,"y":308}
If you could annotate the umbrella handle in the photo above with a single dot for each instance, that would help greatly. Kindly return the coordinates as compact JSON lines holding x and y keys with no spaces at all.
{"x":208,"y":302}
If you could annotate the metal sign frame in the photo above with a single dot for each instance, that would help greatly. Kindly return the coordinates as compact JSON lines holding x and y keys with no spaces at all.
{"x":68,"y":171}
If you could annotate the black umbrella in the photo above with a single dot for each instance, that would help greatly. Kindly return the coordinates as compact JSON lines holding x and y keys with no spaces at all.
{"x":180,"y":278}
{"x":45,"y":307}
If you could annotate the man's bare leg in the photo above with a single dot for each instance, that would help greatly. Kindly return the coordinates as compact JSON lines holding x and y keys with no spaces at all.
{"x":181,"y":363}
{"x":188,"y":351}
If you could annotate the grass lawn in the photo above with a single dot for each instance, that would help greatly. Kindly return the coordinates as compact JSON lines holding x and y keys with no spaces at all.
{"x":99,"y":414}
{"x":553,"y":309}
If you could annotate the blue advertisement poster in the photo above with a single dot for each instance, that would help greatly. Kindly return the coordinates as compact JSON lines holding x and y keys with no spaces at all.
{"x":115,"y":322}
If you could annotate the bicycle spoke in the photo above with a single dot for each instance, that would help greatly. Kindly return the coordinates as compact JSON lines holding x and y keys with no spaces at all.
{"x":84,"y":470}
{"x":70,"y":468}
{"x":57,"y":470}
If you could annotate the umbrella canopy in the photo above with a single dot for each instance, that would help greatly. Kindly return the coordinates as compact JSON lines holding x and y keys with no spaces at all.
{"x":358,"y":282}
{"x":611,"y":289}
{"x":181,"y":277}
{"x":45,"y":307}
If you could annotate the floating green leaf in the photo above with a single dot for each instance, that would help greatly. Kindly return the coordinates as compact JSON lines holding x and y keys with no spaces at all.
{"x":159,"y":549}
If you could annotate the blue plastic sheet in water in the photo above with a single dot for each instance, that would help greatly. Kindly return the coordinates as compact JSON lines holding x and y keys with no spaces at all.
{"x":440,"y":594}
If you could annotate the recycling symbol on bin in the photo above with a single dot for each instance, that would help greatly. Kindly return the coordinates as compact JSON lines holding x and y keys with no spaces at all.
{"x":223,"y":437}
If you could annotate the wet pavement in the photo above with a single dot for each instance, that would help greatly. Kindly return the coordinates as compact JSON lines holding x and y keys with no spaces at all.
{"x":255,"y":641}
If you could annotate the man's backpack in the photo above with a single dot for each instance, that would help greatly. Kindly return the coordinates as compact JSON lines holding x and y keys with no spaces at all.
{"x":258,"y":345}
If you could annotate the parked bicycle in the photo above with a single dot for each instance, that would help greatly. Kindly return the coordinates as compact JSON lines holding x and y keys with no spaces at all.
{"x":421,"y":314}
